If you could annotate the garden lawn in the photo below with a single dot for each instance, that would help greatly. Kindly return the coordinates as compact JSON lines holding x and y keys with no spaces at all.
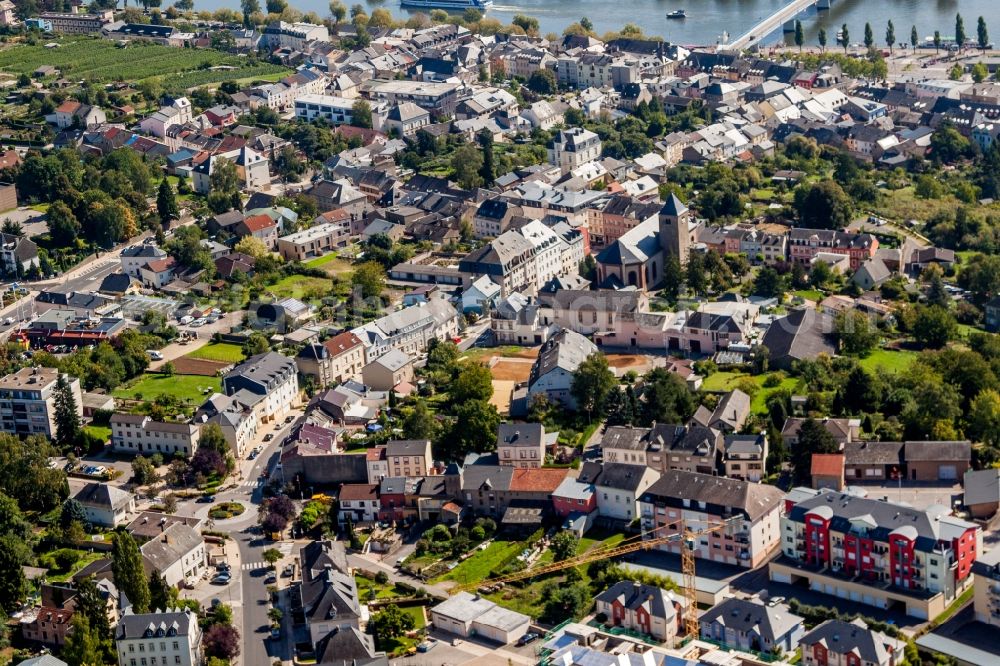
{"x":387,"y":591}
{"x":102,"y":432}
{"x":482,"y":565}
{"x":299,"y":286}
{"x":720,"y":382}
{"x":219,"y":351}
{"x":190,"y":388}
{"x":86,"y":559}
{"x":331,"y":263}
{"x":888,"y":360}
{"x":809,"y":294}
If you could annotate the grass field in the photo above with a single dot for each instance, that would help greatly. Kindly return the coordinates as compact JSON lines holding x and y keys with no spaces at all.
{"x":104,"y":433}
{"x":331,"y":263}
{"x":219,"y":351}
{"x":888,"y":360}
{"x":719,"y":382}
{"x":809,"y":294}
{"x":190,"y":388}
{"x":85,"y":559}
{"x":98,"y":59}
{"x":300,"y":286}
{"x":481,"y":565}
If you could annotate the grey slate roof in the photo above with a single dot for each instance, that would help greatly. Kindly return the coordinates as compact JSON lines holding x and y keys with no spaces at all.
{"x":744,"y":616}
{"x":982,"y":486}
{"x":176,"y":541}
{"x":520,"y":434}
{"x":170,"y":622}
{"x":841,"y":637}
{"x":104,"y":495}
{"x":754,"y":499}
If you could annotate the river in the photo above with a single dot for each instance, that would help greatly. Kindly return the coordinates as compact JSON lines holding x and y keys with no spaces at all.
{"x":707,"y":19}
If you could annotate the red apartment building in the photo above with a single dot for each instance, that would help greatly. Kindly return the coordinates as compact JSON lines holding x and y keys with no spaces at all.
{"x":805,"y":244}
{"x":877,"y":553}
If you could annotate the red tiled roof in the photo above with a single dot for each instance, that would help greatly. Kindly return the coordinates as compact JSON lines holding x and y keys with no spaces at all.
{"x":377,"y":453}
{"x":336,"y":215}
{"x":342,"y":343}
{"x":828,"y":464}
{"x":258,"y":223}
{"x":538,"y":480}
{"x":69,"y":106}
{"x":358,"y":491}
{"x":161,"y":265}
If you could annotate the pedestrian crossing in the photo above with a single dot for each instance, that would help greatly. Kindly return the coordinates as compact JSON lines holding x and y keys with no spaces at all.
{"x":251,"y":484}
{"x":253,"y":566}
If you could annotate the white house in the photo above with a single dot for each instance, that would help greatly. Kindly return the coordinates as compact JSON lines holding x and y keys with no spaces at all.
{"x":172,"y":635}
{"x":359,"y":501}
{"x":558,"y":359}
{"x":618,"y":487}
{"x":105,"y":505}
{"x":178,"y":554}
{"x":267,"y":382}
{"x":480,"y":295}
{"x":140,"y":433}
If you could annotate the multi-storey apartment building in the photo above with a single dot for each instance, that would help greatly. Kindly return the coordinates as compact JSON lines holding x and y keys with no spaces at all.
{"x":171,"y":636}
{"x":877,"y":552}
{"x":335,"y":110}
{"x":750,"y":512}
{"x":509,"y":260}
{"x":268,"y":383}
{"x":805,"y":244}
{"x":987,"y":582}
{"x":294,"y":35}
{"x":573,"y":147}
{"x":608,"y":219}
{"x":438,"y":98}
{"x":410,"y":329}
{"x":140,"y":433}
{"x":314,"y":241}
{"x":28,"y":399}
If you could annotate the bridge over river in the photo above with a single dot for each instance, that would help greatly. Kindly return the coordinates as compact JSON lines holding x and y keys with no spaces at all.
{"x":783,"y":18}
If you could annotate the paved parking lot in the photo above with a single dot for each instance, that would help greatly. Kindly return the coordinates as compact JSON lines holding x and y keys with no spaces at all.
{"x":465,"y":651}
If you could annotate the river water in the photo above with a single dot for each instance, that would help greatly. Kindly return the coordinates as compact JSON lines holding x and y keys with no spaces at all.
{"x":707,"y":19}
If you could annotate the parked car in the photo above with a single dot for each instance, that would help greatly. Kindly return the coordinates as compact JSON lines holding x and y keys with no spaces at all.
{"x":221,"y":579}
{"x":206,"y":499}
{"x":223,"y":567}
{"x":271,"y":579}
{"x":155,"y":355}
{"x":529,"y":637}
{"x":427,"y":645}
{"x":268,"y":437}
{"x":289,"y":419}
{"x":289,"y":571}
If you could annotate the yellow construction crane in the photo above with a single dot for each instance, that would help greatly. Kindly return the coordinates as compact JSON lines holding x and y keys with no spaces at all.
{"x":689,"y":543}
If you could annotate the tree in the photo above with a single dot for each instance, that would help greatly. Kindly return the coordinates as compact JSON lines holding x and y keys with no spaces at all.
{"x":338,"y":11}
{"x":271,"y":556}
{"x":890,"y":35}
{"x":221,"y":641}
{"x":81,"y":647}
{"x":474,"y":430}
{"x":933,"y":326}
{"x":984,"y":417}
{"x":800,"y":35}
{"x":361,"y":114}
{"x":528,"y":23}
{"x":212,"y":438}
{"x":369,"y":279}
{"x":948,"y":145}
{"x":673,"y":278}
{"x":467,"y":163}
{"x":92,"y":604}
{"x":252,"y":246}
{"x":959,"y":32}
{"x":389,"y":623}
{"x":694,"y":273}
{"x":474,"y":382}
{"x":937,"y":41}
{"x":143,"y":471}
{"x":126,"y":565}
{"x":856,"y":333}
{"x":914,"y":37}
{"x":420,"y":423}
{"x":543,"y":81}
{"x":564,"y":545}
{"x":592,"y":381}
{"x":380,"y":18}
{"x":63,"y":225}
{"x":821,"y":38}
{"x":824,"y":205}
{"x":166,"y":203}
{"x":67,"y":418}
{"x":769,"y":284}
{"x":845,"y":37}
{"x":979,"y":72}
{"x":12,"y":521}
{"x":813,"y":438}
{"x":14,"y":554}
{"x":869,"y":36}
{"x":256,"y":343}
{"x":488,"y":171}
{"x":666,"y":398}
{"x":565,"y":601}
{"x":224,"y":186}
{"x":249,"y":7}
{"x":159,"y":592}
{"x":982,"y":34}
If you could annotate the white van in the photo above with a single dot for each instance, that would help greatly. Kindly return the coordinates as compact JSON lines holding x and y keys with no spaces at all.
{"x":155,"y":355}
{"x":186,"y":319}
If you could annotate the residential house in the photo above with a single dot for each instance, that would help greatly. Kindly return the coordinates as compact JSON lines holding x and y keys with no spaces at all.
{"x":333,"y":361}
{"x":178,"y":554}
{"x":618,"y":487}
{"x":747,"y":624}
{"x":409,"y":330}
{"x":105,"y":505}
{"x":982,"y":492}
{"x":521,"y":444}
{"x":236,"y":417}
{"x":552,"y":372}
{"x":843,"y":643}
{"x":574,"y":147}
{"x":135,"y":257}
{"x":388,"y":371}
{"x":508,"y":260}
{"x":359,"y":501}
{"x":313,"y":242}
{"x":827,"y":471}
{"x":645,"y":609}
{"x":262,"y":227}
{"x":409,"y":457}
{"x":405,"y":119}
{"x":480,"y":296}
{"x":745,"y":456}
{"x":986,"y":600}
{"x":18,"y":255}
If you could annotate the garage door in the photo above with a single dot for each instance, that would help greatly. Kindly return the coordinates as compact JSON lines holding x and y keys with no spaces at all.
{"x":947,"y":472}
